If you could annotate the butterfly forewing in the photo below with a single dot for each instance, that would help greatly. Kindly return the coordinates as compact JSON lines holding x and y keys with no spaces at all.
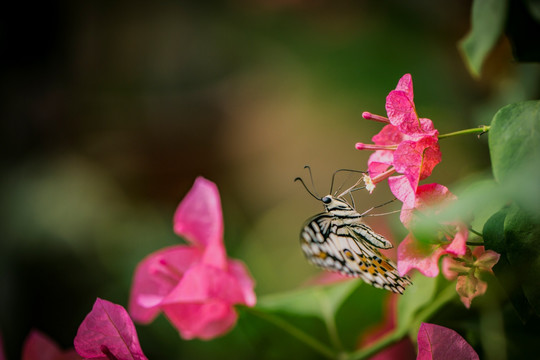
{"x":337,"y":240}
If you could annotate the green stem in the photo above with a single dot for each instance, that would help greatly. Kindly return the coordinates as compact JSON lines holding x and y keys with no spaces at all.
{"x":444,"y":296}
{"x":476,"y":232}
{"x":294,"y":331}
{"x":482,"y":129}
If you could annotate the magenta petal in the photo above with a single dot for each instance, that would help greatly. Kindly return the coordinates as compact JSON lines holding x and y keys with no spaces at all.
{"x":415,"y":255}
{"x":379,"y":162}
{"x":401,"y":112}
{"x":2,"y":353}
{"x":389,"y":135}
{"x":108,"y":328}
{"x":205,"y":321}
{"x":198,"y":217}
{"x":215,"y":255}
{"x":38,"y":346}
{"x":402,"y":190}
{"x":458,"y":246}
{"x":440,"y":343}
{"x":239,"y":271}
{"x":202,"y":283}
{"x":156,"y":276}
{"x":405,"y":84}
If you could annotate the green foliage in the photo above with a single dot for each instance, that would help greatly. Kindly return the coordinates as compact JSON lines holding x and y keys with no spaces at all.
{"x":417,"y":296}
{"x":514,"y":142}
{"x":311,"y":301}
{"x":488,"y":17}
{"x":514,"y":138}
{"x":522,"y":238}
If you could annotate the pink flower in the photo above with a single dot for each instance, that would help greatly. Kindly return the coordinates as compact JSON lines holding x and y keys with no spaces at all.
{"x":451,"y":240}
{"x":408,"y":145}
{"x":196,"y":286}
{"x":107,"y":332}
{"x":467,"y":270}
{"x":437,"y":342}
{"x":38,"y":346}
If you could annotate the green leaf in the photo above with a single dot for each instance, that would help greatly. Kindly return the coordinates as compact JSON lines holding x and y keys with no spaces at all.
{"x":509,"y":278}
{"x":514,"y":138}
{"x":318,"y":301}
{"x":522,"y":236}
{"x":417,"y":296}
{"x":488,"y":17}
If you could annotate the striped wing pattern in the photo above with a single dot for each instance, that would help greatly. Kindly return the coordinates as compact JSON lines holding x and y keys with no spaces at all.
{"x":346,"y":245}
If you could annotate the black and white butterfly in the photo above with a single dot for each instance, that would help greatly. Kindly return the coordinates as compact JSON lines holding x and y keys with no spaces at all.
{"x":338,"y":240}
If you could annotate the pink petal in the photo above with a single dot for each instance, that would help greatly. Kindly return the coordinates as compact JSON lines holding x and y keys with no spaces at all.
{"x":108,"y":329}
{"x":416,"y":159}
{"x":239,"y":271}
{"x":203,"y":283}
{"x":402,"y":113}
{"x":379,"y":162}
{"x":469,"y":291}
{"x":402,"y":350}
{"x":389,"y":135}
{"x":413,"y":254}
{"x":198,"y":218}
{"x":440,"y":343}
{"x":458,"y":246}
{"x":38,"y":346}
{"x":431,"y":195}
{"x":405,"y":84}
{"x":403,"y":191}
{"x":452,"y":268}
{"x":215,"y":255}
{"x":487,"y":260}
{"x":2,"y":353}
{"x":156,"y":276}
{"x":205,"y":321}
{"x":427,"y":128}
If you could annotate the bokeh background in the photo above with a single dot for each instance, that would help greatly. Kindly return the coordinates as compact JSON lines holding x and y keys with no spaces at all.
{"x":111,"y":109}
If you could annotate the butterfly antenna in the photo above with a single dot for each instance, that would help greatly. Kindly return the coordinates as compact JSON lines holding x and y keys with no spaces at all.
{"x":312,"y":182}
{"x":307,"y":189}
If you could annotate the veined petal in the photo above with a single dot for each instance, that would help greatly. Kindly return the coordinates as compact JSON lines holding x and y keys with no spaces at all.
{"x":108,"y":330}
{"x":468,"y":287}
{"x":405,"y":84}
{"x":402,"y":113}
{"x":389,"y":135}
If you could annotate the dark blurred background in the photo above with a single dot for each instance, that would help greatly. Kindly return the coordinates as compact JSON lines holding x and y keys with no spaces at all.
{"x":110,"y":109}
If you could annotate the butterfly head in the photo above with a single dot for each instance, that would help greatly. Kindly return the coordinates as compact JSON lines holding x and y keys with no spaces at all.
{"x":332,"y":203}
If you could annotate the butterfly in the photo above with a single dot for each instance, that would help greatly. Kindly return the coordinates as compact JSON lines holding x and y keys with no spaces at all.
{"x":337,"y":240}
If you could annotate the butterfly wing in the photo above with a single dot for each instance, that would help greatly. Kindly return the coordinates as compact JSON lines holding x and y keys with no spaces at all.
{"x":330,"y":244}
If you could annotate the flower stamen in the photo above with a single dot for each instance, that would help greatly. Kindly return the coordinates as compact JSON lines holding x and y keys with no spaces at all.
{"x":369,"y":116}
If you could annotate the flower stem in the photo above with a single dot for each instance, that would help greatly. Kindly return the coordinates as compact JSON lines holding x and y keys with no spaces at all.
{"x":481,"y":129}
{"x":294,"y":331}
{"x":444,"y":296}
